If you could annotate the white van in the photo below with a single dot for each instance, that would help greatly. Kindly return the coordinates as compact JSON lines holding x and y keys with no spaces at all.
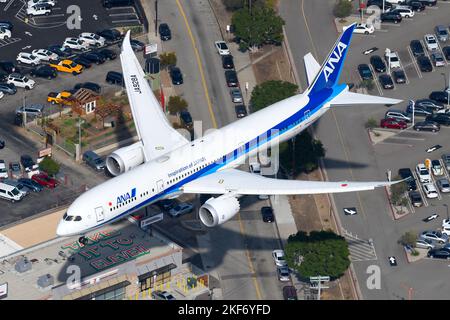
{"x":10,"y":193}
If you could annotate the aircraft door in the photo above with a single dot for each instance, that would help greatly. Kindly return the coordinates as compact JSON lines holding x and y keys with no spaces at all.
{"x":160,"y":185}
{"x":99,"y":214}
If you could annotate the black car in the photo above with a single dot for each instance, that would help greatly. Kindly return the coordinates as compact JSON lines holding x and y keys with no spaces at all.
{"x":391,"y":17}
{"x":416,"y":48}
{"x":108,"y":54}
{"x":8,"y":88}
{"x":164,"y":32}
{"x":241,"y":110}
{"x":18,"y":119}
{"x":365,"y":72}
{"x":415,"y":5}
{"x":399,"y":76}
{"x":31,"y":184}
{"x":113,"y":77}
{"x":441,"y":253}
{"x":429,"y":104}
{"x":231,"y":78}
{"x":439,"y":96}
{"x":93,"y":57}
{"x":424,"y":64}
{"x":62,"y":52}
{"x":441,"y":119}
{"x":110,"y":35}
{"x":8,"y":66}
{"x":186,"y":118}
{"x":88,"y":85}
{"x":419,"y":111}
{"x":427,"y":126}
{"x":3,"y":76}
{"x":227,"y":62}
{"x":44,"y":72}
{"x":137,"y":45}
{"x":267,"y":214}
{"x":429,"y":3}
{"x":379,"y":3}
{"x":446,"y":52}
{"x":6,"y":24}
{"x":416,"y":198}
{"x":82,"y":61}
{"x":2,"y":144}
{"x":377,"y":63}
{"x":176,"y":75}
{"x":386,"y":81}
{"x":26,"y":161}
{"x":405,"y":173}
{"x":166,"y":204}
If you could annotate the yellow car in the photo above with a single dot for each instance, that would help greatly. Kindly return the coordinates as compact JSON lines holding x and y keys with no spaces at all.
{"x":68,"y":66}
{"x":59,"y":98}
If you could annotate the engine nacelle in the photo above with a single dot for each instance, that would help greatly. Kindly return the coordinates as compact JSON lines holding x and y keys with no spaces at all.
{"x":216,"y":211}
{"x":125,"y":159}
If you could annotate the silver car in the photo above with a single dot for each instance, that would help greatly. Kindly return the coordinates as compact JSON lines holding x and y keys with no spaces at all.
{"x":438,"y":59}
{"x":180,"y":209}
{"x":24,"y":190}
{"x":443,"y":185}
{"x":236,"y":95}
{"x":441,"y":33}
{"x":283,"y":274}
{"x":424,"y":244}
{"x":446,"y":160}
{"x":434,"y":236}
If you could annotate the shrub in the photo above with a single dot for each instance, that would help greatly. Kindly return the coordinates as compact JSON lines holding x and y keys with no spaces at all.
{"x":342,"y":9}
{"x":50,"y":166}
{"x":176,"y":104}
{"x":168,"y":59}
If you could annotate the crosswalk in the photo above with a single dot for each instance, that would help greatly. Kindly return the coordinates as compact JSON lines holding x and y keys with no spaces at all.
{"x":360,"y":249}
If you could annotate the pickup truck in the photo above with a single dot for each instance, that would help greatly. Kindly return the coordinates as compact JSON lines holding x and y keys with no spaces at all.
{"x":67,"y":66}
{"x":59,"y":98}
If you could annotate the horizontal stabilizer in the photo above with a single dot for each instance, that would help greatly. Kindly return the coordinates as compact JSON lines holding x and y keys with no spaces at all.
{"x":245,"y":183}
{"x":312,"y":67}
{"x":350,"y":98}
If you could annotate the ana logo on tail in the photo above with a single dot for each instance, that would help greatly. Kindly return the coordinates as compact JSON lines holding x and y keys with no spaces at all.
{"x":335,"y":57}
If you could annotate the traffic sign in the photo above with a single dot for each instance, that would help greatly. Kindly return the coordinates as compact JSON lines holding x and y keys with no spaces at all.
{"x":392,"y":261}
{"x":350,"y":211}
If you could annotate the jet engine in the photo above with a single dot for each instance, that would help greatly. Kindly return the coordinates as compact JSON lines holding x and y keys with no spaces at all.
{"x":125,"y":159}
{"x":216,"y":211}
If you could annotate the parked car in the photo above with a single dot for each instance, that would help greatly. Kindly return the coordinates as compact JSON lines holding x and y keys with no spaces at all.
{"x":92,"y":39}
{"x":27,"y":162}
{"x":391,"y":17}
{"x":436,"y":236}
{"x":397,"y":114}
{"x":85,"y":63}
{"x":28,"y":58}
{"x":377,"y":63}
{"x":75,"y":44}
{"x":443,"y":185}
{"x":94,"y":57}
{"x":164,"y":32}
{"x":3,"y":170}
{"x":45,"y":55}
{"x":386,"y":81}
{"x":108,"y":54}
{"x":441,"y":253}
{"x":8,"y":66}
{"x":241,"y":111}
{"x":437,"y":168}
{"x":166,"y":204}
{"x":427,"y":126}
{"x":44,"y":72}
{"x":392,"y":123}
{"x":88,"y":85}
{"x":137,"y":45}
{"x":181,"y":209}
{"x":8,"y":88}
{"x":440,"y":96}
{"x":365,"y":72}
{"x":379,"y":3}
{"x":441,"y":33}
{"x":15,"y":170}
{"x":113,"y":77}
{"x":442,"y":119}
{"x":40,"y":9}
{"x":363,"y":28}
{"x":416,"y":48}
{"x":290,"y":293}
{"x":279,"y":258}
{"x":429,"y":104}
{"x":227,"y":62}
{"x":176,"y":76}
{"x":424,"y":244}
{"x":403,"y":11}
{"x":110,"y":35}
{"x":446,"y":52}
{"x":162,"y":295}
{"x":431,"y":42}
{"x":416,"y":198}
{"x":31,"y":184}
{"x":222,"y":48}
{"x":415,"y":5}
{"x":14,"y":183}
{"x":399,"y":76}
{"x":424,"y":64}
{"x":429,"y":3}
{"x":267,"y":214}
{"x":6,"y":24}
{"x":231,"y":78}
{"x":31,"y":109}
{"x":422,"y":173}
{"x":418,"y":111}
{"x":94,"y":160}
{"x":236,"y":95}
{"x":438,"y":59}
{"x":429,"y":190}
{"x":283,"y":274}
{"x":62,"y":52}
{"x":186,"y":119}
{"x":21,"y":81}
{"x":405,"y":173}
{"x":393,"y":60}
{"x":44,"y":180}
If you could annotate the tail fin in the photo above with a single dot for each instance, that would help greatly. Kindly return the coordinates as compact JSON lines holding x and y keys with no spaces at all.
{"x":330,"y":71}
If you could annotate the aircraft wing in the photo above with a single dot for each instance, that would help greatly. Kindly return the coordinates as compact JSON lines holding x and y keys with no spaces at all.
{"x":350,"y":98}
{"x":245,"y":183}
{"x":153,"y":128}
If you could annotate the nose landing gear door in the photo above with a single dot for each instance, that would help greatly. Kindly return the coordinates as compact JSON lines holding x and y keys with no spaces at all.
{"x":99,"y":214}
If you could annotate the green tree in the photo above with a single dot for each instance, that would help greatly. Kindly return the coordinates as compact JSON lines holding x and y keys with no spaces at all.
{"x":167,"y":59}
{"x":398,"y":191}
{"x":368,"y":84}
{"x":409,"y":238}
{"x":342,"y":9}
{"x":269,"y":92}
{"x":50,"y":166}
{"x":262,"y":26}
{"x":233,"y":5}
{"x":176,"y":104}
{"x":321,"y":253}
{"x":371,"y":123}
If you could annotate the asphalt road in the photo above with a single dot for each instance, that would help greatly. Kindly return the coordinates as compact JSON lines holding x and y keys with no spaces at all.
{"x":337,"y":131}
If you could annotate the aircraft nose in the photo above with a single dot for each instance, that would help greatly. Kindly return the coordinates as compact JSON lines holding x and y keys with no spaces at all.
{"x":61,"y":230}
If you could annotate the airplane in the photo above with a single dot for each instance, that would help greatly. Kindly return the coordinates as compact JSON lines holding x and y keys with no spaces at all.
{"x":164,"y":164}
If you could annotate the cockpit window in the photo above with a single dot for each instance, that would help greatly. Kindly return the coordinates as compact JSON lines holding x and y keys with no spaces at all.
{"x":77,"y":218}
{"x":65,"y":216}
{"x":69,"y":218}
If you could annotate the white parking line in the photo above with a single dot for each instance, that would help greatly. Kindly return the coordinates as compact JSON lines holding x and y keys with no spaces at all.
{"x":442,"y":53}
{"x":413,"y":59}
{"x":401,"y":68}
{"x":375,"y":79}
{"x":419,"y":188}
{"x":433,"y":181}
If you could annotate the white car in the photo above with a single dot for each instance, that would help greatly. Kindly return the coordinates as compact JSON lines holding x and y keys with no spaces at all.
{"x":404,"y":12}
{"x":446,"y":226}
{"x":20,"y":81}
{"x":423,"y":173}
{"x":45,"y":55}
{"x":5,"y":34}
{"x":430,"y":191}
{"x":279,"y":258}
{"x":28,"y":58}
{"x":92,"y":39}
{"x":39,"y":10}
{"x":393,"y":60}
{"x":3,"y":170}
{"x":75,"y":43}
{"x":283,"y":274}
{"x":435,"y":236}
{"x":431,"y":42}
{"x":363,"y":28}
{"x":222,"y":48}
{"x":436,"y":168}
{"x":1,"y":94}
{"x":180,"y":209}
{"x":395,"y":1}
{"x":34,"y":2}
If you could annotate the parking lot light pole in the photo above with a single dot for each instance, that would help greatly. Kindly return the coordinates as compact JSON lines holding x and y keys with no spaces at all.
{"x":446,"y":207}
{"x":412,"y":107}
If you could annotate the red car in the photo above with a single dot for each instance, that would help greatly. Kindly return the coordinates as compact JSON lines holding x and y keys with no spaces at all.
{"x":392,"y":123}
{"x":44,"y":180}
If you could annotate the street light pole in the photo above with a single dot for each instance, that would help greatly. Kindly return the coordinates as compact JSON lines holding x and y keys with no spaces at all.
{"x":156,"y":18}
